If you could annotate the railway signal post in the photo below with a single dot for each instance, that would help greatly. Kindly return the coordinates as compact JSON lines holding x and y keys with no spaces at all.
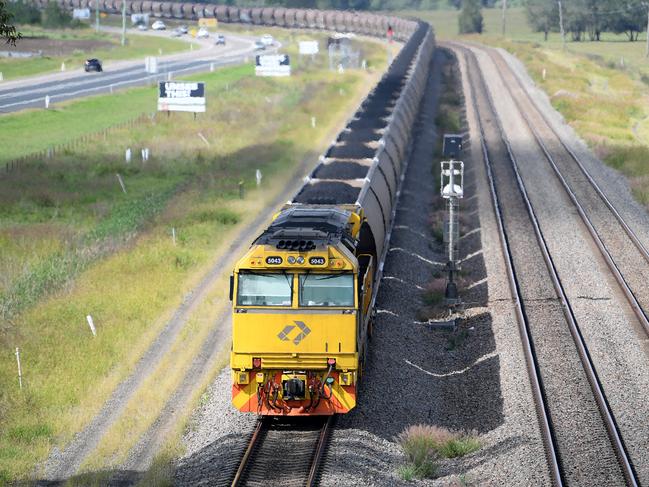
{"x":452,"y":190}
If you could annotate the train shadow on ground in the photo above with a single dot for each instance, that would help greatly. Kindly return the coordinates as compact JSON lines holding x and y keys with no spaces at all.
{"x":416,"y":374}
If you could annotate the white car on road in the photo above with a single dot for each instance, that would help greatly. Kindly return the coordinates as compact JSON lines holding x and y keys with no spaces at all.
{"x":202,"y":33}
{"x":267,"y":40}
{"x":158,"y":25}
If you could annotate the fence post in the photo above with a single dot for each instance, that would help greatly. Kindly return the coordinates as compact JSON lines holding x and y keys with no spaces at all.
{"x":20,"y":371}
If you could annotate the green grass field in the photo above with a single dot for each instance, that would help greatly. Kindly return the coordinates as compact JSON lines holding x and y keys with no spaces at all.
{"x":138,"y":46}
{"x":601,"y":88}
{"x":74,"y":244}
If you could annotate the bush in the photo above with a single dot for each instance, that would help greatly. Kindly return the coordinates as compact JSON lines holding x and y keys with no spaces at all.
{"x":24,"y":13}
{"x":55,"y":17}
{"x":470,"y":19}
{"x":425,"y":444}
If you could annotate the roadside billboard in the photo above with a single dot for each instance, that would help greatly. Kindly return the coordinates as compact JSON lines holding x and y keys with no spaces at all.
{"x":181,"y":96}
{"x":272,"y":65}
{"x":309,"y":47}
{"x":137,"y":19}
{"x":81,"y":13}
{"x":203,"y":22}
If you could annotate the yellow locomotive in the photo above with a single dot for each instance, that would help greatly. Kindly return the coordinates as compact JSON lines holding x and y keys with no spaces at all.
{"x":301,"y":314}
{"x":303,"y":295}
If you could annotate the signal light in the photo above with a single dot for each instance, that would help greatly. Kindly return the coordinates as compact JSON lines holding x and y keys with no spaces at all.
{"x":331,"y":361}
{"x":256,"y":363}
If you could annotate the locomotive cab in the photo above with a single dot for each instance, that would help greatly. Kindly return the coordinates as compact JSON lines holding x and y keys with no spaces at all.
{"x":300,"y":297}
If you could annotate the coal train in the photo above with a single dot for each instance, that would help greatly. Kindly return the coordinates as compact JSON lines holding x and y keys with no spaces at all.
{"x":364,"y":23}
{"x":303,"y":294}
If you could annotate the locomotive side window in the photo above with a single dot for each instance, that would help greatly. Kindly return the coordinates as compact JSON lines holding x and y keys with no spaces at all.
{"x":327,"y":289}
{"x":264,"y":289}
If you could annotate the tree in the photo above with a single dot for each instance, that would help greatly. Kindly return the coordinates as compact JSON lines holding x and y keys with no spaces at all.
{"x":631,"y":20}
{"x":470,"y":19}
{"x":543,"y":16}
{"x":7,"y":29}
{"x":24,"y":13}
{"x":54,"y":16}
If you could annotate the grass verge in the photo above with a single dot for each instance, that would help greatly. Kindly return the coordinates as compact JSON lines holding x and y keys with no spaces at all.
{"x":600,"y":88}
{"x":132,"y":288}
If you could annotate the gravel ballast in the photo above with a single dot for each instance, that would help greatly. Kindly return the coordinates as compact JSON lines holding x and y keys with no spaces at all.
{"x":605,"y":319}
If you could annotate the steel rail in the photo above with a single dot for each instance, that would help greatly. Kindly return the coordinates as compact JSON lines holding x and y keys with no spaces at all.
{"x":254,"y":444}
{"x":580,"y":344}
{"x":608,"y":258}
{"x":523,"y":324}
{"x":261,"y":425}
{"x":319,"y":451}
{"x":634,"y":238}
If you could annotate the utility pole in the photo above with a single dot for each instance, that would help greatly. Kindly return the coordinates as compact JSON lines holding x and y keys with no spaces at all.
{"x":97,"y":15}
{"x":647,"y":50}
{"x":123,"y":22}
{"x":504,"y":21}
{"x":563,"y":33}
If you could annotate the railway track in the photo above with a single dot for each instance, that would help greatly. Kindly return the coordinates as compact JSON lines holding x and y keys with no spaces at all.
{"x":582,"y":439}
{"x":287,"y":452}
{"x":625,"y":255}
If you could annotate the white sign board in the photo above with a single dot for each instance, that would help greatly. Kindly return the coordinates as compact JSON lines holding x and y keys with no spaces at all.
{"x":273,"y":65}
{"x":140,"y":19}
{"x":151,"y":64}
{"x":81,"y":13}
{"x":309,"y":47}
{"x":181,"y":96}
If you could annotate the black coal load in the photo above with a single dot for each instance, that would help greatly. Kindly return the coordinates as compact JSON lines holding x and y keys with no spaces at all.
{"x":327,"y":193}
{"x":367,"y":123}
{"x":351,"y":150}
{"x":372,"y":116}
{"x":341,"y":170}
{"x":360,"y":135}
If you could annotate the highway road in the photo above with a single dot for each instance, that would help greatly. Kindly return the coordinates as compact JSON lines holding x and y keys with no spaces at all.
{"x":31,"y":92}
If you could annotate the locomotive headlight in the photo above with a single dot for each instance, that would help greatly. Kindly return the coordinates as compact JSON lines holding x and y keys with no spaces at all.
{"x":300,"y":260}
{"x":291,"y":259}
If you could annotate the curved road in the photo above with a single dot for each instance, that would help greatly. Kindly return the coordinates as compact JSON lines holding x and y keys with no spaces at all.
{"x":31,"y":92}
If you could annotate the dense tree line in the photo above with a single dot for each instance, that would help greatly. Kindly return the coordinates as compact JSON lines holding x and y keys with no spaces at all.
{"x":588,"y":19}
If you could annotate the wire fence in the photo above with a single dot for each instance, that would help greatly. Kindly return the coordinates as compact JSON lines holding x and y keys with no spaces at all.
{"x":77,"y":143}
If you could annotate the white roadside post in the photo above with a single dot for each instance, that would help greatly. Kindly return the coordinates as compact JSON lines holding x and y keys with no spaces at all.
{"x":258,"y":177}
{"x":452,"y":189}
{"x":20,"y":370}
{"x":91,"y":324}
{"x":123,"y":23}
{"x":62,"y":66}
{"x":121,"y":183}
{"x":205,"y":141}
{"x":173,"y":235}
{"x":313,"y":122}
{"x":47,"y":101}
